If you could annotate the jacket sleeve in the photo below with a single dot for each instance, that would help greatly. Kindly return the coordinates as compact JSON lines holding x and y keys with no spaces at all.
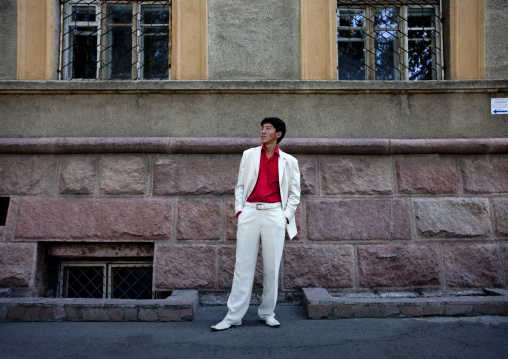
{"x":294,"y":191}
{"x":240,"y":186}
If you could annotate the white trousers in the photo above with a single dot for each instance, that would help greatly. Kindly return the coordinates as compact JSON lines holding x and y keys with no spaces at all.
{"x":267,"y":226}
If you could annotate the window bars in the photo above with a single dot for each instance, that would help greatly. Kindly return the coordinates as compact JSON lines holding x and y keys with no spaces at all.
{"x":115,"y":40}
{"x":389,"y":40}
{"x":105,"y":280}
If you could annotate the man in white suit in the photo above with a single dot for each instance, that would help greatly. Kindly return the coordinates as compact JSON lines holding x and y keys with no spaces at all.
{"x":266,"y":196}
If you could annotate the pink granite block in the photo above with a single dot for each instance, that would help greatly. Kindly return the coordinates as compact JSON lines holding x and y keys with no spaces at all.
{"x":184,"y":266}
{"x":170,"y":315}
{"x":95,"y":315}
{"x":59,"y":313}
{"x":112,"y":220}
{"x":231,"y":220}
{"x":195,"y":175}
{"x":116,"y":314}
{"x":356,"y":175}
{"x":46,"y":314}
{"x":401,"y":227}
{"x":343,"y":311}
{"x":475,"y":265}
{"x":199,"y":219}
{"x":355,"y":219}
{"x":27,"y":175}
{"x":430,"y":174}
{"x":124,"y":175}
{"x":73,"y":313}
{"x":452,"y":309}
{"x":18,"y":264}
{"x":226,"y":259}
{"x":101,"y":250}
{"x":392,"y":310}
{"x":78,"y":175}
{"x":328,"y":266}
{"x":433,"y":309}
{"x":411,"y":310}
{"x":398,"y":266}
{"x":501,"y":216}
{"x":130,"y":314}
{"x":16,"y":314}
{"x":452,"y":217}
{"x":148,"y":315}
{"x":308,"y":176}
{"x":361,"y":311}
{"x":31,"y":314}
{"x":319,"y":311}
{"x":485,"y":174}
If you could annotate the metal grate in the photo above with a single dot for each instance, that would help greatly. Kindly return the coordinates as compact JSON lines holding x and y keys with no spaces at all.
{"x":131,"y":282}
{"x":105,"y":280}
{"x":83,"y":281}
{"x":115,"y":40}
{"x":389,"y":40}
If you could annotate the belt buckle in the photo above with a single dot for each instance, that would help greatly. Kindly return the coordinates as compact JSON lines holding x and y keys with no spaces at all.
{"x":258,"y":206}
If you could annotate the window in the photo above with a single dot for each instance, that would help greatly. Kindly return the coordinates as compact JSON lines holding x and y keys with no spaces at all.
{"x":116,"y":40}
{"x":389,"y":40}
{"x":105,"y":280}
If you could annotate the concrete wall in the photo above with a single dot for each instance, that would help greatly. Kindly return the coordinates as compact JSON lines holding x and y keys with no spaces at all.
{"x":496,"y":30}
{"x":8,"y":39}
{"x":366,"y":220}
{"x":254,"y":40}
{"x":330,"y":109}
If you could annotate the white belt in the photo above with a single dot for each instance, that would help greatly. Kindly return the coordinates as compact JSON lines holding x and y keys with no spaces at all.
{"x":260,"y":206}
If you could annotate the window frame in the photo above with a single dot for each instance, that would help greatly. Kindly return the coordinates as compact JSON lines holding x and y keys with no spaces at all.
{"x":66,"y":63}
{"x":107,"y":272}
{"x":402,"y":71}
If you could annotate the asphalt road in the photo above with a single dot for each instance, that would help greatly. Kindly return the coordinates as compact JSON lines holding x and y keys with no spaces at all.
{"x":298,"y":337}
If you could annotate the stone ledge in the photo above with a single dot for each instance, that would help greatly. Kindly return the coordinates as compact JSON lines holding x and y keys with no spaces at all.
{"x":319,"y":304}
{"x":236,"y":145}
{"x":252,"y":86}
{"x":180,"y":306}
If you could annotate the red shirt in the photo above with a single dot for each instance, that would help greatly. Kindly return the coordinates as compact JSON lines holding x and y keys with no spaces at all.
{"x":267,"y":187}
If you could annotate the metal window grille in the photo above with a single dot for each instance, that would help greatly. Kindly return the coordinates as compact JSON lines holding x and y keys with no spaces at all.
{"x":115,"y":40}
{"x":389,"y":40}
{"x":105,"y":280}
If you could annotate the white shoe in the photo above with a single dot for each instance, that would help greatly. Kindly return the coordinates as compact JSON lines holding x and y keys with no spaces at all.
{"x":223,"y":326}
{"x":271,"y":322}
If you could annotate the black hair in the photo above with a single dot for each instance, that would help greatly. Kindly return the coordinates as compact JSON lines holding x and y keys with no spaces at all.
{"x":278,"y":124}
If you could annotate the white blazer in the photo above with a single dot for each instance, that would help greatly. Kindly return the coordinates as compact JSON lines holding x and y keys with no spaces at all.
{"x":289,"y":183}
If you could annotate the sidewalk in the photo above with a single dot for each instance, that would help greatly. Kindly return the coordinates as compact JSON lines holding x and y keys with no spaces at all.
{"x":298,"y":337}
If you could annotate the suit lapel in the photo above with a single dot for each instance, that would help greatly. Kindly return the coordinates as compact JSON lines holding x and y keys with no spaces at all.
{"x":257,"y":160}
{"x":282,"y":166}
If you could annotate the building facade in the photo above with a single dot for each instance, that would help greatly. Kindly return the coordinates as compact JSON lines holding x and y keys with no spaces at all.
{"x":123,"y":124}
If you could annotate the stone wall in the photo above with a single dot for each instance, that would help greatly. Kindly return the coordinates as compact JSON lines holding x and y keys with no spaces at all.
{"x":311,"y":109}
{"x":8,"y":34}
{"x":496,"y":27}
{"x":374,"y":214}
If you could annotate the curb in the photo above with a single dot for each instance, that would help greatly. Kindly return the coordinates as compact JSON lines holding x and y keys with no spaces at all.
{"x":320,"y":304}
{"x":180,"y":306}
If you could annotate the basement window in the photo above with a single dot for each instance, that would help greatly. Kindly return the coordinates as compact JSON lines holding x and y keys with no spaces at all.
{"x":4,"y":207}
{"x":120,"y":280}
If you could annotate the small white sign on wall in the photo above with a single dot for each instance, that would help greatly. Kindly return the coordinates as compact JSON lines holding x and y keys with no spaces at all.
{"x":499,"y":106}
